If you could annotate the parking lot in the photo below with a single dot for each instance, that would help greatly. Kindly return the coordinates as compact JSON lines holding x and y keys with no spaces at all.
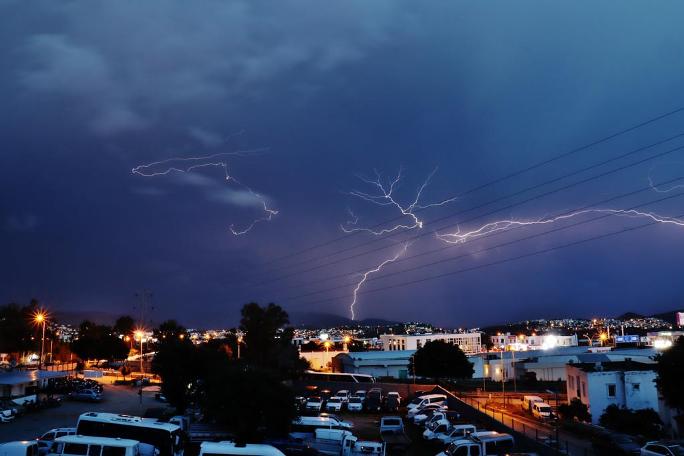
{"x":116,"y":399}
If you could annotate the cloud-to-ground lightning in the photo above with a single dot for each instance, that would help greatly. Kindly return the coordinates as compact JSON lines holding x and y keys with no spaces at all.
{"x":385,"y":197}
{"x":365,"y":275}
{"x":189,"y":164}
{"x":460,"y":237}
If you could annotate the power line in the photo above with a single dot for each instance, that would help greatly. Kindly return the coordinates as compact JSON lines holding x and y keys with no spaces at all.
{"x":510,"y":206}
{"x":487,"y":236}
{"x":497,"y":180}
{"x":485,"y":265}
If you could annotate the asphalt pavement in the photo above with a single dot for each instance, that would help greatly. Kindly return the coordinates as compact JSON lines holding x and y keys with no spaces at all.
{"x":117,"y":399}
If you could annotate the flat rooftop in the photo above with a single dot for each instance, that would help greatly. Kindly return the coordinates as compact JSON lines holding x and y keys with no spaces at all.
{"x":17,"y":377}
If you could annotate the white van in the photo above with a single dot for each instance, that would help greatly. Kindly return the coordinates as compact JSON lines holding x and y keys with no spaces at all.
{"x":19,"y":448}
{"x":541,"y":410}
{"x":428,"y":399}
{"x":225,"y":447}
{"x":528,"y":401}
{"x":84,"y":445}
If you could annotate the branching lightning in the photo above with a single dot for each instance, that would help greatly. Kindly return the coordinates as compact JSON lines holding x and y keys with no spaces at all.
{"x":459,"y":237}
{"x":189,"y":164}
{"x":663,"y":189}
{"x":385,"y":197}
{"x":376,"y":269}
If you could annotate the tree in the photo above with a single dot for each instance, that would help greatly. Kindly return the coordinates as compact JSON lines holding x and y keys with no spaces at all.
{"x":575,"y":409}
{"x":670,"y":370}
{"x":124,"y":326}
{"x":17,"y":328}
{"x":98,"y":342}
{"x":645,"y":422}
{"x":177,"y":363}
{"x":252,"y":402}
{"x":438,"y":359}
{"x":267,"y":344}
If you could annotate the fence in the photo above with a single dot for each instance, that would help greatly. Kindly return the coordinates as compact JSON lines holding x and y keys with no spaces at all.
{"x":545,"y":435}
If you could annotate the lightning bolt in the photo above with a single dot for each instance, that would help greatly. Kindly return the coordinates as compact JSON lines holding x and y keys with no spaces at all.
{"x":365,"y":275}
{"x":189,"y":164}
{"x":459,"y":237}
{"x":663,"y":189}
{"x":385,"y":197}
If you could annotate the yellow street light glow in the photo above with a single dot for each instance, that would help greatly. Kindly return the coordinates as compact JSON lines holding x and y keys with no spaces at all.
{"x":603,"y":336}
{"x":139,"y":334}
{"x":347,"y":339}
{"x":327,"y":344}
{"x":40,"y":317}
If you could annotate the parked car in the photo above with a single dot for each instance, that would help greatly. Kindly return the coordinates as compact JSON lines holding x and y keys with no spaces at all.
{"x":86,"y":395}
{"x":334,"y":404}
{"x":361,"y":393}
{"x":314,"y":404}
{"x":457,"y":432}
{"x":663,"y":448}
{"x":616,"y":444}
{"x":429,"y":399}
{"x":412,"y":413}
{"x":423,"y":415}
{"x":542,"y":410}
{"x":45,"y":440}
{"x":343,"y":394}
{"x":355,"y":404}
{"x":19,"y":448}
{"x":374,"y":400}
{"x":392,"y":401}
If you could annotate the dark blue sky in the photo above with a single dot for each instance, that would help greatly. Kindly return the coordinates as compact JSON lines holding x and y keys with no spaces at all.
{"x":479,"y":89}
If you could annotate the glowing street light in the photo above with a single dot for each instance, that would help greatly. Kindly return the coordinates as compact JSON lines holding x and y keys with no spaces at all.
{"x":140,"y":335}
{"x":603,"y":337}
{"x":40,"y":318}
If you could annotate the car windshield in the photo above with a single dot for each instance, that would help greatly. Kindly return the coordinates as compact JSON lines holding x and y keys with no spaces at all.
{"x":416,"y":401}
{"x":355,"y":400}
{"x":334,"y":400}
{"x":315,"y":399}
{"x":545,"y":409}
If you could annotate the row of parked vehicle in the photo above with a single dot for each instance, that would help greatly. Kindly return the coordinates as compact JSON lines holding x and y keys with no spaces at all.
{"x":446,"y":429}
{"x":361,"y":400}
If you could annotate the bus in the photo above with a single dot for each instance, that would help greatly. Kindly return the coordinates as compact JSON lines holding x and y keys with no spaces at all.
{"x":81,"y":445}
{"x":337,"y":377}
{"x":165,"y":437}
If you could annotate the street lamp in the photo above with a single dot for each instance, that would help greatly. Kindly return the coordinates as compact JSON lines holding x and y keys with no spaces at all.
{"x":346,"y":341}
{"x":239,"y":342}
{"x":326,"y":344}
{"x":139,"y":334}
{"x":603,"y":337}
{"x":40,"y":319}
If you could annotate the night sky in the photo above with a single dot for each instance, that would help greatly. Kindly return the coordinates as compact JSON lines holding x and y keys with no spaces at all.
{"x":331,"y":90}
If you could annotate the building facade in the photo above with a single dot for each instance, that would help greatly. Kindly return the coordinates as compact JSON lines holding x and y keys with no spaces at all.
{"x":626,"y":384}
{"x":470,"y":343}
{"x":523,"y":342}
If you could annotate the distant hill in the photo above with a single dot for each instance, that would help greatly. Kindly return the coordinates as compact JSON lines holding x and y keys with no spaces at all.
{"x":327,"y":320}
{"x":74,"y":317}
{"x":668,"y":316}
{"x":629,"y":316}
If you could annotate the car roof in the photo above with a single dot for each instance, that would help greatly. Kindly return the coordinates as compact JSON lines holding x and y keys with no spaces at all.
{"x":86,"y":439}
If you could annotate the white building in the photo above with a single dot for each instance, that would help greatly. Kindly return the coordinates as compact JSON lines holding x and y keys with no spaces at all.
{"x":626,"y":384}
{"x":376,"y":363}
{"x":468,"y":342}
{"x":524,"y":342}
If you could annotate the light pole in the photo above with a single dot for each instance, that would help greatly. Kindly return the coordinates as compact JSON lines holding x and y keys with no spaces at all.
{"x":40,"y":318}
{"x":239,"y":342}
{"x":139,"y":335}
{"x":326,"y":344}
{"x":503,"y":379}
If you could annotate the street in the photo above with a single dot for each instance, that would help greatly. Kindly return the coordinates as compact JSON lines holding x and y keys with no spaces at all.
{"x":117,"y":399}
{"x":513,"y":417}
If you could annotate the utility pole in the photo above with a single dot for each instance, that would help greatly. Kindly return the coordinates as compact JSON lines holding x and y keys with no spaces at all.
{"x":503,"y":379}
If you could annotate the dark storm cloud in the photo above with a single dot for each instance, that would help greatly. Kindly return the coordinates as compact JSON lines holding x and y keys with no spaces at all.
{"x":93,"y":89}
